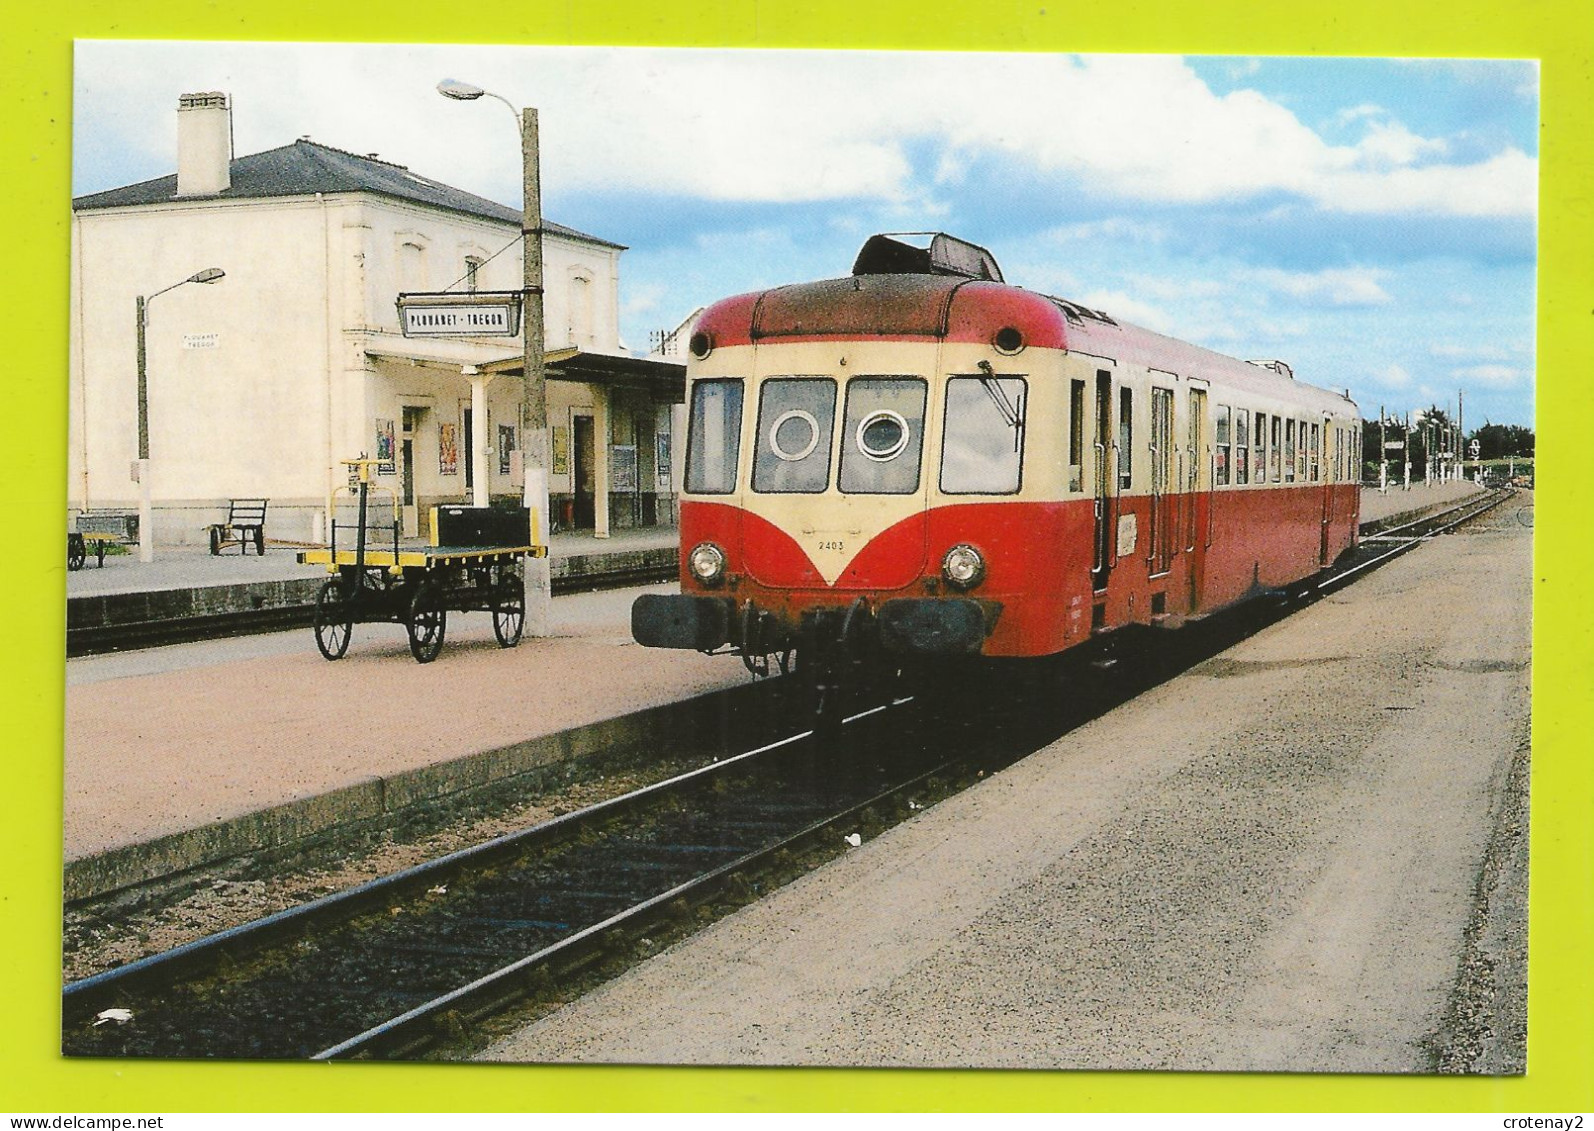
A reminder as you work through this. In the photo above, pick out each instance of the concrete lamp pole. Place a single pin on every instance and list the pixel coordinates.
(146, 529)
(534, 443)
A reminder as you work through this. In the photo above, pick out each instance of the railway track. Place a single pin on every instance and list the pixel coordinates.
(388, 967)
(400, 964)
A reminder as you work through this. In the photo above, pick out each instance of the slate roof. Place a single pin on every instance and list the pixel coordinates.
(306, 168)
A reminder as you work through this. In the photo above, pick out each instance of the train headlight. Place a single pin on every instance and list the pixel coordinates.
(707, 563)
(963, 567)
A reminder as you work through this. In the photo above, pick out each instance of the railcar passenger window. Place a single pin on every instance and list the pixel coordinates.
(1274, 449)
(1261, 447)
(1221, 465)
(1242, 444)
(795, 418)
(1076, 437)
(1126, 447)
(982, 446)
(882, 436)
(1317, 470)
(1289, 451)
(714, 437)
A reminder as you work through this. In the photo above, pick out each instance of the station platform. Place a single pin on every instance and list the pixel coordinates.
(194, 567)
(184, 583)
(182, 755)
(185, 755)
(1307, 854)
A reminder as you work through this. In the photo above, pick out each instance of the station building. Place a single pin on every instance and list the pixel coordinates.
(261, 382)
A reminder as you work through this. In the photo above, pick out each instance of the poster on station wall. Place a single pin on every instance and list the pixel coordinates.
(448, 448)
(559, 442)
(622, 467)
(384, 447)
(661, 460)
(506, 448)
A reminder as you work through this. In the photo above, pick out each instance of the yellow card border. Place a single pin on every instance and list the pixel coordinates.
(37, 55)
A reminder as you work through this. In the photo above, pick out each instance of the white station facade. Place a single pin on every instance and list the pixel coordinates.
(261, 382)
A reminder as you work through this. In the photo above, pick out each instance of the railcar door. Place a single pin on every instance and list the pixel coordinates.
(1102, 556)
(1198, 492)
(1164, 535)
(1324, 469)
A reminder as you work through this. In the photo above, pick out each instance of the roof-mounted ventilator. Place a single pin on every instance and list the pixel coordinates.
(925, 253)
(1077, 314)
(1282, 368)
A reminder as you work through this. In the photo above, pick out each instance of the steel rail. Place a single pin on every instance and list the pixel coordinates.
(401, 1031)
(1472, 507)
(262, 932)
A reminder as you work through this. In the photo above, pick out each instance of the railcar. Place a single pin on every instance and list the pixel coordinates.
(920, 461)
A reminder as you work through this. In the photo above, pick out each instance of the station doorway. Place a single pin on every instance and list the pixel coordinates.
(584, 474)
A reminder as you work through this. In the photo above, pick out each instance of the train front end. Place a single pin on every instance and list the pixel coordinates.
(855, 486)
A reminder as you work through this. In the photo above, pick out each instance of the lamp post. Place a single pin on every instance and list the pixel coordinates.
(534, 443)
(146, 529)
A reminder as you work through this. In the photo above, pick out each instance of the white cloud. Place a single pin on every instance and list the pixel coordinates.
(1476, 353)
(788, 126)
(1338, 286)
(1355, 113)
(1114, 229)
(1492, 376)
(1392, 377)
(1389, 145)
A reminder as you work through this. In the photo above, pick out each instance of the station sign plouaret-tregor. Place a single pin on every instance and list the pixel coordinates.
(475, 314)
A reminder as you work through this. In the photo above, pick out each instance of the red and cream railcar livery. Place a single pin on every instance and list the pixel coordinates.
(922, 461)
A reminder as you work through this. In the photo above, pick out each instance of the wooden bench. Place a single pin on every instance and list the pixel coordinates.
(95, 531)
(246, 522)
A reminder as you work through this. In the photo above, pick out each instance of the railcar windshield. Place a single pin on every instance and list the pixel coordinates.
(714, 437)
(882, 436)
(795, 419)
(982, 449)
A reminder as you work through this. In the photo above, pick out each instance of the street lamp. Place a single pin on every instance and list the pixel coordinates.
(535, 441)
(146, 529)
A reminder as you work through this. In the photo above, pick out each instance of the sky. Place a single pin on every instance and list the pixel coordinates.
(1370, 221)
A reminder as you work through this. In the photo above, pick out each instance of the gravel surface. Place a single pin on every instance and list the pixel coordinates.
(97, 939)
(1306, 854)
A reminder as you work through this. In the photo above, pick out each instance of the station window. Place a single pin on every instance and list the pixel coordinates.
(1126, 430)
(1242, 445)
(982, 443)
(1274, 449)
(1220, 468)
(1261, 448)
(714, 437)
(473, 266)
(882, 436)
(1076, 437)
(796, 416)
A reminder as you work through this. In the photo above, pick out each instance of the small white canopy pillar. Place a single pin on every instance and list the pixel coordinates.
(479, 445)
(601, 428)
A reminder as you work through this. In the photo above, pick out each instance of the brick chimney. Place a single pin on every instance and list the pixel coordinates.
(204, 144)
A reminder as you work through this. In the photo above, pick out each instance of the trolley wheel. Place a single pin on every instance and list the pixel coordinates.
(428, 622)
(334, 620)
(509, 609)
(76, 552)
